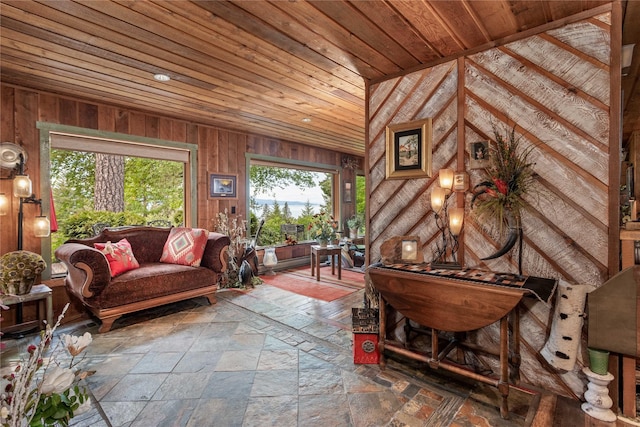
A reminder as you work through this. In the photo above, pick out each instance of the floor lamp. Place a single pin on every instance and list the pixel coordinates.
(22, 189)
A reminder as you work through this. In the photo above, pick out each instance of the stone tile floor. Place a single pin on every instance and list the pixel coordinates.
(246, 362)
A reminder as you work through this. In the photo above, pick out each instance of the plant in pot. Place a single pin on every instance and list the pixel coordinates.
(501, 198)
(354, 223)
(323, 228)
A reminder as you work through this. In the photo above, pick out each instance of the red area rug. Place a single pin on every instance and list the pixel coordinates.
(329, 288)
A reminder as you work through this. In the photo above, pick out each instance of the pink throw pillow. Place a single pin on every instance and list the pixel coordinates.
(119, 255)
(185, 246)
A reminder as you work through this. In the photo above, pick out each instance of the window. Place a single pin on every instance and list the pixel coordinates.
(141, 154)
(286, 196)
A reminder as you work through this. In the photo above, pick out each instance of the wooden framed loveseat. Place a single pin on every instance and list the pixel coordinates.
(161, 269)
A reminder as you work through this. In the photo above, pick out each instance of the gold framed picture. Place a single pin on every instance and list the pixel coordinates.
(409, 150)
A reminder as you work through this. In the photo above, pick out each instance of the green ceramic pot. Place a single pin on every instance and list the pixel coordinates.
(598, 361)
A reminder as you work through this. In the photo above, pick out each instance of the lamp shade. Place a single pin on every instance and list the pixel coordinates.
(4, 204)
(438, 194)
(21, 186)
(456, 218)
(446, 179)
(41, 226)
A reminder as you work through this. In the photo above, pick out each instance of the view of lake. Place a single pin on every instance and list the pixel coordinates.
(295, 197)
(296, 207)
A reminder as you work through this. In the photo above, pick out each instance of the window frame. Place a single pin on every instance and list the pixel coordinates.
(264, 160)
(46, 129)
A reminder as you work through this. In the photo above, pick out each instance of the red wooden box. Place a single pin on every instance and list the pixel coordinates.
(365, 349)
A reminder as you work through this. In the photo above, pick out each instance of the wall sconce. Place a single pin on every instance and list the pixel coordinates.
(446, 179)
(22, 188)
(449, 222)
(627, 58)
(41, 225)
(347, 192)
(22, 184)
(438, 197)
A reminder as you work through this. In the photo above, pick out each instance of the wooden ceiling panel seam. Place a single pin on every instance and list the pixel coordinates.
(127, 79)
(476, 19)
(564, 8)
(85, 59)
(547, 10)
(296, 50)
(288, 134)
(223, 102)
(115, 49)
(415, 30)
(306, 41)
(285, 69)
(270, 67)
(454, 32)
(222, 65)
(395, 26)
(528, 14)
(421, 18)
(334, 41)
(347, 15)
(497, 16)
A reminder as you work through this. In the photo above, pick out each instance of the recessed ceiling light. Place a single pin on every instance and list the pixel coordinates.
(306, 120)
(161, 77)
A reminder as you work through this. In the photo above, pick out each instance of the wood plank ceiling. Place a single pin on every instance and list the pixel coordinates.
(264, 67)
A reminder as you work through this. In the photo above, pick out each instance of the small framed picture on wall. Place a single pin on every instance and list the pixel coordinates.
(409, 150)
(479, 155)
(222, 186)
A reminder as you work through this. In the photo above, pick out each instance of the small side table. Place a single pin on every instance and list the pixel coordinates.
(334, 255)
(40, 293)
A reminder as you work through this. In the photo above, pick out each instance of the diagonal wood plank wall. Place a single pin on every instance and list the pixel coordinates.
(555, 88)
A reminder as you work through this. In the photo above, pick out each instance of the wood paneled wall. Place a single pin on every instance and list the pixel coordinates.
(555, 88)
(219, 150)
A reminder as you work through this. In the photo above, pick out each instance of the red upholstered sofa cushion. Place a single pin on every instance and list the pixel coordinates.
(185, 246)
(119, 255)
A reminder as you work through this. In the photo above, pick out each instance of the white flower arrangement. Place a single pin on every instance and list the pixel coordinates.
(38, 391)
